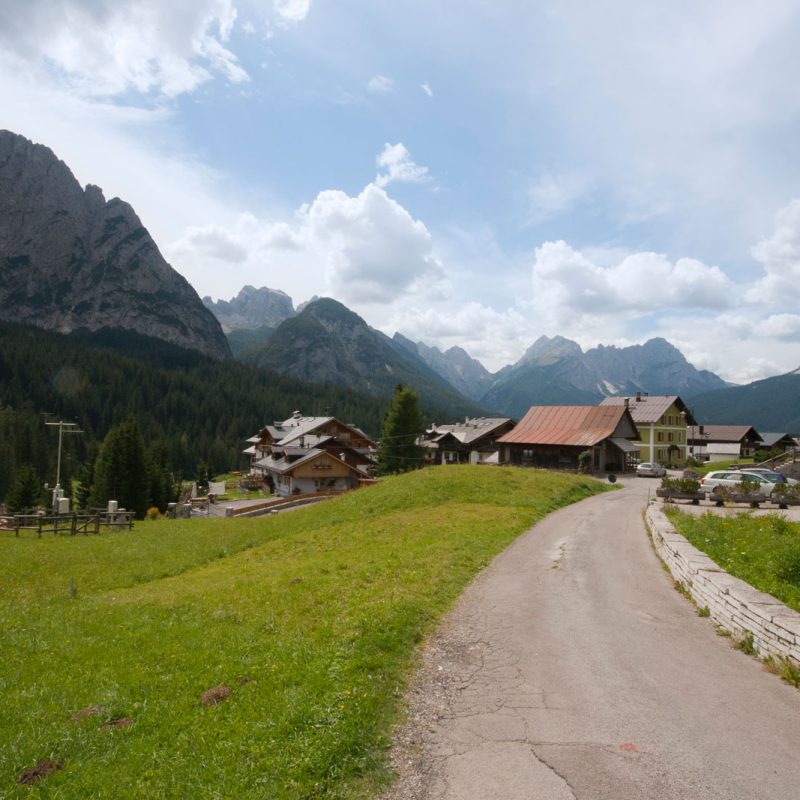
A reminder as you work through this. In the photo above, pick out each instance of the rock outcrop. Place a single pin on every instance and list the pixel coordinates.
(71, 260)
(252, 308)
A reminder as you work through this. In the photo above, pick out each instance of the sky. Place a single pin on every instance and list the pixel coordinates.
(477, 173)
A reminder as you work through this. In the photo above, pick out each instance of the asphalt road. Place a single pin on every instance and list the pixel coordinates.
(573, 669)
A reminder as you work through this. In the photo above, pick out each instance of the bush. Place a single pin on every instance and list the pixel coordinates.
(681, 485)
(786, 491)
(152, 513)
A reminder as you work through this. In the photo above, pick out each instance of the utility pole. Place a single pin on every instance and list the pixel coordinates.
(61, 425)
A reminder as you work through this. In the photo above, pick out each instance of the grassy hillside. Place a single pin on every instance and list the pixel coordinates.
(310, 619)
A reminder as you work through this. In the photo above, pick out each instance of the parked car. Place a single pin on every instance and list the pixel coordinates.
(650, 469)
(769, 474)
(730, 478)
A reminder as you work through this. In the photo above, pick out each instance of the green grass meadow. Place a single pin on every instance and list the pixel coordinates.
(764, 551)
(311, 618)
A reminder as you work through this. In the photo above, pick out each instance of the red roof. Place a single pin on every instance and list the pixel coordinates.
(577, 426)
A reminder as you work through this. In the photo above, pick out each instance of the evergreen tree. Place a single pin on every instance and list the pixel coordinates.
(120, 472)
(162, 488)
(27, 491)
(398, 450)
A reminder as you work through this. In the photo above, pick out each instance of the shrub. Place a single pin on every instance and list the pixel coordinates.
(681, 485)
(152, 513)
(786, 491)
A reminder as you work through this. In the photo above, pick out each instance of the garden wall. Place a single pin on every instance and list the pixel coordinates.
(733, 604)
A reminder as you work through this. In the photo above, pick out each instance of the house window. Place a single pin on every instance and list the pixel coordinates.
(660, 436)
(670, 437)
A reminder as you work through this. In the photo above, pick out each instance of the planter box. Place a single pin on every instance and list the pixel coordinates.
(672, 494)
(785, 502)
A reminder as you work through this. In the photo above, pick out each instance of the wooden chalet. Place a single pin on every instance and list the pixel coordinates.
(722, 442)
(553, 437)
(473, 441)
(288, 455)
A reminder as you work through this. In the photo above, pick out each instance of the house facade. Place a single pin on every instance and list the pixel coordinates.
(473, 441)
(289, 455)
(554, 437)
(662, 422)
(723, 442)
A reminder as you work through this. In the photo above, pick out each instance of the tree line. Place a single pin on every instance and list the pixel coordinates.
(191, 413)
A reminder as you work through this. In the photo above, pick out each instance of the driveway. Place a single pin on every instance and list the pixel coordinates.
(571, 668)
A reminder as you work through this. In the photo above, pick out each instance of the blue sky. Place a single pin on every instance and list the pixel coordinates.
(473, 173)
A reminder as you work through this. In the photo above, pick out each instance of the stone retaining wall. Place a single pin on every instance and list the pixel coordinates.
(733, 604)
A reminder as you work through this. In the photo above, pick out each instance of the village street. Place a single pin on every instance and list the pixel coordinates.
(573, 669)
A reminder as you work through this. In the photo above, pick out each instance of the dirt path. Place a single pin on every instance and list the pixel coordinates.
(572, 669)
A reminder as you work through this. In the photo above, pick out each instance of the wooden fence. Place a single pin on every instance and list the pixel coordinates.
(70, 524)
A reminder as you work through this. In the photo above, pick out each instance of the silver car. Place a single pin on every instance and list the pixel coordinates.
(769, 474)
(730, 478)
(650, 469)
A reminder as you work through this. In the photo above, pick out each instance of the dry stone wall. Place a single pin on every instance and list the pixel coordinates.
(733, 604)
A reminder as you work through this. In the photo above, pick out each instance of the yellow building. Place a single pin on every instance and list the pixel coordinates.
(662, 421)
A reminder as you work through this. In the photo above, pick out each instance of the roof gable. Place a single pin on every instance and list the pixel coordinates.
(575, 426)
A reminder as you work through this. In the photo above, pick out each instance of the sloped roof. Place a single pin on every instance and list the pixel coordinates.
(649, 408)
(470, 430)
(575, 426)
(721, 433)
(772, 438)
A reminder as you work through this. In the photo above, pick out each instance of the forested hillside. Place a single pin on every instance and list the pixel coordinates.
(201, 409)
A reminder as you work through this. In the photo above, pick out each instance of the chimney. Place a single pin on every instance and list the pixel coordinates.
(638, 397)
(627, 402)
(701, 429)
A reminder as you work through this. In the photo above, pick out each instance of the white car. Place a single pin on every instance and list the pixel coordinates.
(730, 478)
(650, 469)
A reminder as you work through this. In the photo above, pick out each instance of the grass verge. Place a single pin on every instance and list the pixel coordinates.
(763, 551)
(242, 658)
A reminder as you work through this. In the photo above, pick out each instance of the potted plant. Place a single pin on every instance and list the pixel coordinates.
(786, 494)
(746, 492)
(681, 489)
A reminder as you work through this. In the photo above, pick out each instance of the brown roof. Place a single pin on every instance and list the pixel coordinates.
(577, 426)
(721, 433)
(649, 408)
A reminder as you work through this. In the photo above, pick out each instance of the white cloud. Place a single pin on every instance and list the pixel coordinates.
(426, 87)
(398, 166)
(380, 84)
(785, 327)
(104, 48)
(779, 254)
(566, 283)
(365, 249)
(292, 10)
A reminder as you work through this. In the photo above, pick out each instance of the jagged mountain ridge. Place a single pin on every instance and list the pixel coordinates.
(556, 371)
(455, 365)
(327, 343)
(252, 308)
(71, 260)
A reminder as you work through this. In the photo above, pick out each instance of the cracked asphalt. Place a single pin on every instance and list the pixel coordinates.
(571, 668)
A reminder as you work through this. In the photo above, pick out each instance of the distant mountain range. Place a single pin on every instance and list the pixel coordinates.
(71, 260)
(327, 343)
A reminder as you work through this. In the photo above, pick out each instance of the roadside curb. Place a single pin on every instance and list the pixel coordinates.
(733, 605)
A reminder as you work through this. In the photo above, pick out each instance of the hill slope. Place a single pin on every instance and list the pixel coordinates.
(772, 404)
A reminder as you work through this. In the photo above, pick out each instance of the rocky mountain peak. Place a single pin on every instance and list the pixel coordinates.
(71, 260)
(252, 308)
(546, 350)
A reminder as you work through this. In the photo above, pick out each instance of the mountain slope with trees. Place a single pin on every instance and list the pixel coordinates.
(771, 404)
(329, 344)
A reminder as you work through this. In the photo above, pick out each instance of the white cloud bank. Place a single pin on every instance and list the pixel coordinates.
(365, 249)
